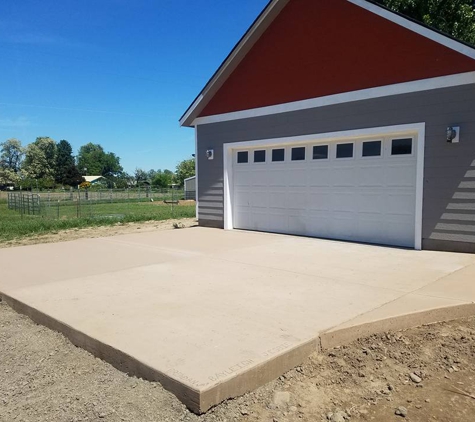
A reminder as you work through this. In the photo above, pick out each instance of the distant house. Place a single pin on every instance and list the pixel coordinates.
(190, 188)
(93, 180)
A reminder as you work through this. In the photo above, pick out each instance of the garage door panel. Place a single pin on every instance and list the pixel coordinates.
(343, 226)
(372, 233)
(278, 222)
(370, 176)
(400, 203)
(319, 201)
(343, 201)
(320, 177)
(368, 199)
(242, 199)
(278, 178)
(402, 175)
(368, 202)
(297, 225)
(296, 178)
(278, 199)
(343, 176)
(296, 200)
(259, 220)
(259, 199)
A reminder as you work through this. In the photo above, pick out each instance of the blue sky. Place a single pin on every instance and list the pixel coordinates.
(115, 72)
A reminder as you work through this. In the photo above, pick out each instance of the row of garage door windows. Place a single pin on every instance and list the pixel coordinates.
(320, 152)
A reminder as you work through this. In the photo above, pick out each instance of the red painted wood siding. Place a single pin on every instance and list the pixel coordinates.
(316, 48)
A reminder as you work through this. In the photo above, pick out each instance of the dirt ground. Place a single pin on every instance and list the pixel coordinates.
(92, 232)
(43, 377)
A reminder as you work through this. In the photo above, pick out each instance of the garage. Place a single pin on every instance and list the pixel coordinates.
(310, 127)
(355, 189)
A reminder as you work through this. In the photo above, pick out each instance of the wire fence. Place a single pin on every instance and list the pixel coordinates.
(115, 203)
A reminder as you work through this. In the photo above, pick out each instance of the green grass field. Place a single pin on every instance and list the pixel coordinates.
(13, 225)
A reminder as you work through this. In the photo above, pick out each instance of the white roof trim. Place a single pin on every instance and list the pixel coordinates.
(364, 94)
(374, 8)
(417, 28)
(190, 178)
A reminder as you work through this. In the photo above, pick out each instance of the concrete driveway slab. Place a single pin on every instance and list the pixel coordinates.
(212, 314)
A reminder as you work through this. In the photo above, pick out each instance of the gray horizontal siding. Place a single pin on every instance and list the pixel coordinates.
(449, 179)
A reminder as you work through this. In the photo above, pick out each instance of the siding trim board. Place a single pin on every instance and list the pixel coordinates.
(365, 94)
(417, 129)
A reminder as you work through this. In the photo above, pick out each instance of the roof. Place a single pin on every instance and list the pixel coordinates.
(267, 17)
(190, 178)
(92, 179)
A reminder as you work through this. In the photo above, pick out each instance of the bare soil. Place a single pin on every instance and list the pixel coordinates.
(93, 232)
(43, 377)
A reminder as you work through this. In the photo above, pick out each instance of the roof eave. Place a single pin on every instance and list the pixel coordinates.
(272, 9)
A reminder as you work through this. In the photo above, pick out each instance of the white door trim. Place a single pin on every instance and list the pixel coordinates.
(415, 128)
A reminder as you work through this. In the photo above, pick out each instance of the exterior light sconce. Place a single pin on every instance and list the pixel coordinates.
(210, 154)
(453, 134)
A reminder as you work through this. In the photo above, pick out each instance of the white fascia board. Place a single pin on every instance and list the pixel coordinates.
(417, 28)
(346, 97)
(190, 178)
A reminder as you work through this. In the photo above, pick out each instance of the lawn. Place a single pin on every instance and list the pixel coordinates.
(13, 225)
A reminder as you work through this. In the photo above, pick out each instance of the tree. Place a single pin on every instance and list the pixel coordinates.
(11, 155)
(163, 179)
(141, 176)
(95, 161)
(66, 171)
(184, 170)
(454, 17)
(8, 177)
(40, 159)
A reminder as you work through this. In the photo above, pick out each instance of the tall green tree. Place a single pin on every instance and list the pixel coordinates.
(66, 171)
(184, 170)
(93, 160)
(40, 159)
(163, 179)
(11, 155)
(454, 17)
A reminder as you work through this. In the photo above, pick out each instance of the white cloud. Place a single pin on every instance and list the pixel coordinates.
(20, 121)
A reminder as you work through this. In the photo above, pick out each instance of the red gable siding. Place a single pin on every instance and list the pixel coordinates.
(316, 48)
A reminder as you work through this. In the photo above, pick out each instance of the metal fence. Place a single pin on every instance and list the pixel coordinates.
(190, 195)
(24, 203)
(92, 203)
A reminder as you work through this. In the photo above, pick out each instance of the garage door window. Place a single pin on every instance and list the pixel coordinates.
(320, 152)
(344, 151)
(298, 154)
(278, 154)
(401, 146)
(260, 156)
(242, 157)
(372, 149)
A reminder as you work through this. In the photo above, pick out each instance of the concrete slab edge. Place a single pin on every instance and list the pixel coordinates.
(258, 375)
(197, 401)
(115, 357)
(338, 337)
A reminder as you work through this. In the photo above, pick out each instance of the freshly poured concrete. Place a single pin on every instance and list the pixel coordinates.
(212, 314)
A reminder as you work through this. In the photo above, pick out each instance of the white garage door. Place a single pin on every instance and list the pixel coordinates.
(358, 190)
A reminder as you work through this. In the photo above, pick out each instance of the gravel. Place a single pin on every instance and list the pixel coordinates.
(43, 377)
